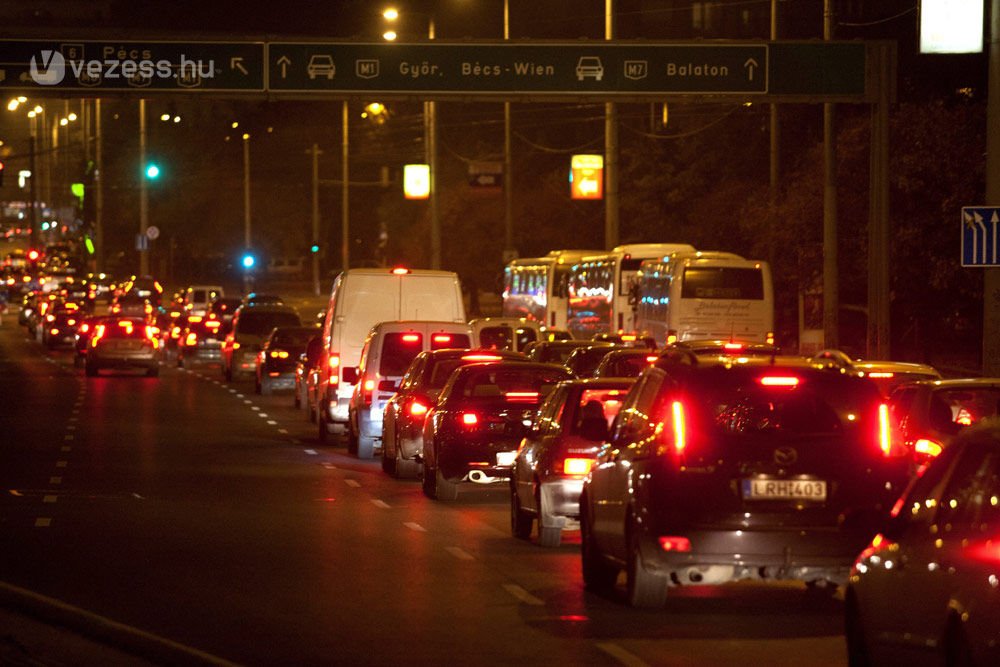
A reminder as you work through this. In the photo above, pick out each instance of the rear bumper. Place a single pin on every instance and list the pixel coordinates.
(561, 498)
(457, 458)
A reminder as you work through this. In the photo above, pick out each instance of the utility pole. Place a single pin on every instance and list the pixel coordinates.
(143, 194)
(610, 148)
(991, 278)
(831, 297)
(345, 209)
(775, 154)
(508, 163)
(315, 216)
(98, 187)
(430, 118)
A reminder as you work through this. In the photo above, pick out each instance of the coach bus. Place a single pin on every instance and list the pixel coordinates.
(535, 287)
(603, 287)
(706, 295)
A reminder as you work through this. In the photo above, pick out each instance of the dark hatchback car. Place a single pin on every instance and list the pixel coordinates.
(200, 341)
(403, 418)
(925, 591)
(554, 351)
(475, 428)
(716, 473)
(583, 361)
(276, 361)
(625, 363)
(930, 414)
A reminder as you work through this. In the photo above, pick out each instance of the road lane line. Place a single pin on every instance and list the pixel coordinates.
(49, 499)
(247, 401)
(271, 422)
(523, 595)
(66, 449)
(352, 483)
(62, 464)
(239, 395)
(283, 431)
(137, 496)
(626, 658)
(380, 503)
(68, 437)
(254, 408)
(311, 452)
(15, 492)
(460, 554)
(55, 480)
(412, 525)
(43, 523)
(329, 466)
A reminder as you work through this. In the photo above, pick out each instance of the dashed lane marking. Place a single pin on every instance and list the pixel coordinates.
(380, 503)
(328, 466)
(626, 658)
(239, 395)
(283, 431)
(262, 415)
(62, 464)
(271, 422)
(353, 483)
(55, 480)
(68, 437)
(255, 407)
(460, 554)
(43, 523)
(67, 448)
(71, 427)
(412, 525)
(311, 452)
(523, 595)
(49, 499)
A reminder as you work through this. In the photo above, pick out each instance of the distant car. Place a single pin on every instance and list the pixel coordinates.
(305, 371)
(583, 361)
(200, 341)
(931, 413)
(60, 325)
(251, 326)
(722, 472)
(122, 343)
(197, 298)
(627, 339)
(132, 305)
(504, 333)
(732, 348)
(924, 591)
(259, 299)
(554, 352)
(224, 308)
(276, 361)
(886, 374)
(625, 363)
(557, 454)
(473, 431)
(404, 414)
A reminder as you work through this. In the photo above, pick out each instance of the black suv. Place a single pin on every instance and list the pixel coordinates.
(720, 472)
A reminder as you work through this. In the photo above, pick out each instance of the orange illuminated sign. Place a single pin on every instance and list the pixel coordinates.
(586, 178)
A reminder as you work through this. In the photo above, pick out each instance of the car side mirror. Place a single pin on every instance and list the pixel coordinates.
(349, 374)
(387, 385)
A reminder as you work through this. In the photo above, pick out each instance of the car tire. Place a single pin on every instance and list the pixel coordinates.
(91, 370)
(180, 361)
(365, 447)
(520, 521)
(858, 653)
(548, 536)
(646, 590)
(312, 413)
(427, 482)
(297, 401)
(388, 462)
(324, 430)
(352, 440)
(599, 575)
(443, 488)
(406, 468)
(228, 373)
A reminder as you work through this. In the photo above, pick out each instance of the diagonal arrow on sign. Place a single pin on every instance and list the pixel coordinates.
(995, 219)
(979, 221)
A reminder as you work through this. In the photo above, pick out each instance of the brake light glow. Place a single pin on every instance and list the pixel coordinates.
(527, 396)
(680, 427)
(418, 409)
(769, 339)
(126, 325)
(577, 466)
(964, 417)
(779, 381)
(213, 324)
(194, 319)
(369, 385)
(333, 363)
(442, 338)
(400, 271)
(368, 389)
(192, 339)
(628, 338)
(411, 338)
(98, 335)
(84, 328)
(880, 375)
(470, 418)
(175, 332)
(481, 357)
(236, 346)
(279, 354)
(54, 331)
(733, 347)
(651, 358)
(71, 322)
(884, 430)
(927, 447)
(675, 543)
(50, 318)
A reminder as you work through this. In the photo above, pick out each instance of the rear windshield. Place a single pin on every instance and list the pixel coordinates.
(124, 329)
(398, 350)
(496, 338)
(717, 282)
(439, 370)
(527, 385)
(293, 338)
(953, 409)
(260, 323)
(626, 365)
(603, 403)
(447, 341)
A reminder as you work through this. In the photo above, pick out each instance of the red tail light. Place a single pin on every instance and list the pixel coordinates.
(680, 426)
(84, 328)
(442, 338)
(675, 543)
(884, 430)
(628, 338)
(880, 375)
(481, 357)
(779, 381)
(733, 347)
(927, 447)
(418, 409)
(521, 396)
(192, 339)
(368, 391)
(411, 338)
(98, 335)
(651, 358)
(469, 419)
(333, 363)
(400, 271)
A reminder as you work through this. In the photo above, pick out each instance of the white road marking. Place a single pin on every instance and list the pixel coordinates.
(55, 480)
(522, 595)
(271, 422)
(137, 496)
(329, 466)
(62, 464)
(255, 408)
(49, 499)
(247, 401)
(311, 452)
(239, 395)
(283, 431)
(380, 503)
(460, 554)
(71, 427)
(67, 448)
(68, 437)
(232, 391)
(412, 525)
(43, 523)
(626, 658)
(353, 483)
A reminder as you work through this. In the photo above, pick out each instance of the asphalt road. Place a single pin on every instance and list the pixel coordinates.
(193, 512)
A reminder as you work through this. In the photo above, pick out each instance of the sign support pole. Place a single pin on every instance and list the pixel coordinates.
(878, 214)
(991, 277)
(610, 148)
(143, 194)
(831, 295)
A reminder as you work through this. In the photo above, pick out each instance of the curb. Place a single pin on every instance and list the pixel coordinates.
(142, 644)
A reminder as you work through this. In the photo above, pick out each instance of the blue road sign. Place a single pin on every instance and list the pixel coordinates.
(979, 235)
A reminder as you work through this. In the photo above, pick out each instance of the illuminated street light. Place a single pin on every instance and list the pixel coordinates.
(390, 14)
(235, 125)
(177, 119)
(63, 122)
(72, 117)
(389, 35)
(164, 117)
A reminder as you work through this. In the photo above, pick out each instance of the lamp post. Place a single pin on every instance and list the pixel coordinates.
(143, 194)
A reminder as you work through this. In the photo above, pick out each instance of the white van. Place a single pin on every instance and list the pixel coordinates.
(360, 299)
(198, 297)
(388, 351)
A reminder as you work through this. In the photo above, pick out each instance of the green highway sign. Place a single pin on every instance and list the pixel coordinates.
(63, 65)
(579, 68)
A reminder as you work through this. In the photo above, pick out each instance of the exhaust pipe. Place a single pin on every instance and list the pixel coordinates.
(480, 477)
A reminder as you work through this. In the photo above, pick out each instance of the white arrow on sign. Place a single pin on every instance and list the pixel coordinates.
(969, 223)
(284, 61)
(588, 186)
(979, 221)
(750, 66)
(995, 219)
(236, 62)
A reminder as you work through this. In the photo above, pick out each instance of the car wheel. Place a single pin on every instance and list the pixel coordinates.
(406, 468)
(228, 372)
(429, 488)
(388, 462)
(443, 488)
(548, 536)
(91, 370)
(598, 574)
(956, 645)
(857, 646)
(297, 401)
(324, 431)
(352, 439)
(520, 521)
(312, 413)
(646, 589)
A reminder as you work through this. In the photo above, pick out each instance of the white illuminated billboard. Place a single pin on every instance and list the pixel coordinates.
(951, 26)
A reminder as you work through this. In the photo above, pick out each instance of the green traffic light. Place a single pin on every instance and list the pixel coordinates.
(314, 248)
(152, 171)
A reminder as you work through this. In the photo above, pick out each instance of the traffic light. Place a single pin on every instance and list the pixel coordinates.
(1, 174)
(33, 255)
(314, 248)
(152, 171)
(248, 261)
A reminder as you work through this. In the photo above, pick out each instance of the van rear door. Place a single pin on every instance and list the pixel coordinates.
(435, 297)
